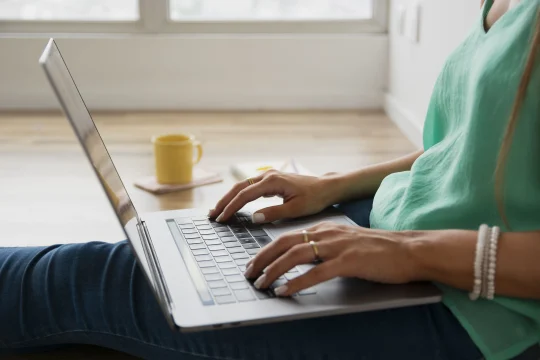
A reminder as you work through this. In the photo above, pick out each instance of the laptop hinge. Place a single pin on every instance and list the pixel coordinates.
(161, 290)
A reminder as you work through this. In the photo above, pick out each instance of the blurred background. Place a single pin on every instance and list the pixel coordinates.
(334, 84)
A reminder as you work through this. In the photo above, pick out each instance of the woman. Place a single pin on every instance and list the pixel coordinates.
(479, 166)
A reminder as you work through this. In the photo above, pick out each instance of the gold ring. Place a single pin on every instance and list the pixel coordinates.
(250, 181)
(315, 250)
(306, 236)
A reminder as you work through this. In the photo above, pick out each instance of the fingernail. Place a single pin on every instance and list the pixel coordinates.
(257, 218)
(248, 264)
(260, 281)
(211, 211)
(281, 290)
(249, 271)
(219, 218)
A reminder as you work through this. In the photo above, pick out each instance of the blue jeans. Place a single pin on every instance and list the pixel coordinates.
(95, 293)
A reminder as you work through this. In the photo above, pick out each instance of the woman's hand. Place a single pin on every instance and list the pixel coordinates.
(345, 251)
(302, 196)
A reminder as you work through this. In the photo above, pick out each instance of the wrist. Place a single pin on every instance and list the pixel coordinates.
(333, 188)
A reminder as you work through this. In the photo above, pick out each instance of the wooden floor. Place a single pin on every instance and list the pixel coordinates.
(48, 193)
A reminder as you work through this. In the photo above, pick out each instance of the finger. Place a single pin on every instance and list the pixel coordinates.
(297, 255)
(274, 213)
(246, 195)
(226, 199)
(323, 272)
(271, 252)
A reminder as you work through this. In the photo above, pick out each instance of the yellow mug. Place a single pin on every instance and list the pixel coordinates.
(174, 158)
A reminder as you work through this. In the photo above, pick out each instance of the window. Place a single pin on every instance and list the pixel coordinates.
(192, 16)
(69, 10)
(270, 9)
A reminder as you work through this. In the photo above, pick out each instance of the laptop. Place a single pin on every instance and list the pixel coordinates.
(195, 265)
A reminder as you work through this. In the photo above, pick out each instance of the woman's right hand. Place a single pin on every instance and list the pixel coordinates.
(302, 196)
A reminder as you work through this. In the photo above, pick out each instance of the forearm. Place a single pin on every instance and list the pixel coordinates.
(366, 181)
(447, 256)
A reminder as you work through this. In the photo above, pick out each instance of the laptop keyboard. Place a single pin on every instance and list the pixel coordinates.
(220, 252)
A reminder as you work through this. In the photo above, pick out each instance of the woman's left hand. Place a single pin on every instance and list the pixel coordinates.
(344, 251)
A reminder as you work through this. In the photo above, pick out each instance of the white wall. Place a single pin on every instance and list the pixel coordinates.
(249, 72)
(414, 66)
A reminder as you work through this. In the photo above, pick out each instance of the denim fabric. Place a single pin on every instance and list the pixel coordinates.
(95, 293)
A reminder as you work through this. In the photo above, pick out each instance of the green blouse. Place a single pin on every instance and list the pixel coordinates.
(451, 185)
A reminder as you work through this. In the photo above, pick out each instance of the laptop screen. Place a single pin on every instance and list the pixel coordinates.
(85, 129)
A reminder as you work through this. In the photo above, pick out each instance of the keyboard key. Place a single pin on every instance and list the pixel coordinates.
(245, 235)
(207, 232)
(203, 257)
(204, 264)
(194, 241)
(210, 237)
(250, 246)
(210, 270)
(221, 291)
(217, 284)
(204, 227)
(244, 295)
(226, 265)
(239, 231)
(228, 239)
(308, 291)
(235, 278)
(191, 236)
(200, 252)
(227, 299)
(197, 246)
(224, 233)
(220, 253)
(239, 285)
(189, 231)
(263, 240)
(241, 262)
(221, 259)
(258, 233)
(213, 277)
(183, 221)
(201, 222)
(230, 271)
(216, 247)
(232, 244)
(187, 226)
(221, 227)
(236, 250)
(292, 276)
(242, 255)
(247, 241)
(253, 251)
(212, 242)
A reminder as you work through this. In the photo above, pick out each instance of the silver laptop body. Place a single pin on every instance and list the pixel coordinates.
(195, 266)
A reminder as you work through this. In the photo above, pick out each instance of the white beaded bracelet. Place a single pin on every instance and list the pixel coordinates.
(485, 263)
(492, 265)
(478, 262)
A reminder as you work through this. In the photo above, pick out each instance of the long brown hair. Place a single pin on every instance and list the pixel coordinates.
(512, 123)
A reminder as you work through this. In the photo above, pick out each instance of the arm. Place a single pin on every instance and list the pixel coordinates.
(447, 256)
(366, 181)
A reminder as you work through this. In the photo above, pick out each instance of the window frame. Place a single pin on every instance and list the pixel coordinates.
(154, 19)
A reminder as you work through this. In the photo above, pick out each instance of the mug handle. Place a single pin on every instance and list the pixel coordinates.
(198, 145)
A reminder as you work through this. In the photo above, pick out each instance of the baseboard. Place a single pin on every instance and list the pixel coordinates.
(404, 119)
